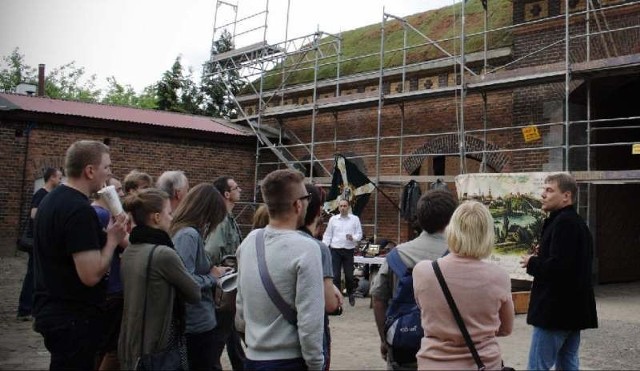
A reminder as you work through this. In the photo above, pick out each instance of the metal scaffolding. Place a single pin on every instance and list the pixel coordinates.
(592, 45)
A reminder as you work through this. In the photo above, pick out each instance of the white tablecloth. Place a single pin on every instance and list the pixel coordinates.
(365, 260)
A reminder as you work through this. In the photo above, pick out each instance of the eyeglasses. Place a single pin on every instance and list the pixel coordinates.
(233, 188)
(305, 197)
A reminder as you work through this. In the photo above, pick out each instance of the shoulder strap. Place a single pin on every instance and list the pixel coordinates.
(396, 264)
(146, 294)
(456, 314)
(287, 312)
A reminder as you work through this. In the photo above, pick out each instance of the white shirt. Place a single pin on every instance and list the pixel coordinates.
(335, 236)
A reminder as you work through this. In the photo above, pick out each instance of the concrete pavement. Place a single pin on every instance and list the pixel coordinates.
(615, 345)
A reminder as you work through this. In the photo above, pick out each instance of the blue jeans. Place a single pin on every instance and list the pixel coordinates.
(554, 347)
(26, 294)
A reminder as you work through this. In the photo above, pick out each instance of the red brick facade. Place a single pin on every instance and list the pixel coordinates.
(202, 157)
(429, 126)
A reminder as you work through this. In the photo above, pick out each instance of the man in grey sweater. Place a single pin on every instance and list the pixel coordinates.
(294, 265)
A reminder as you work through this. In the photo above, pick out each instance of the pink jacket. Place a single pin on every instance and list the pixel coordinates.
(482, 292)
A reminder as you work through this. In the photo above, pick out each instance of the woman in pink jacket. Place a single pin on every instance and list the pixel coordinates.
(481, 290)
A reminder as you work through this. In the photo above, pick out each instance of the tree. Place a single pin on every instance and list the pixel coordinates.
(168, 88)
(191, 96)
(124, 95)
(217, 97)
(178, 92)
(120, 95)
(14, 70)
(65, 82)
(148, 98)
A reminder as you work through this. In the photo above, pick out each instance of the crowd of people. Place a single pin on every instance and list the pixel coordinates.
(141, 288)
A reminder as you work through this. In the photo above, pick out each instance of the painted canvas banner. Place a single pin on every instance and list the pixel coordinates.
(514, 202)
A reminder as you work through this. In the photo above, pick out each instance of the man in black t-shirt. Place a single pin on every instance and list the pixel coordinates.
(52, 178)
(71, 256)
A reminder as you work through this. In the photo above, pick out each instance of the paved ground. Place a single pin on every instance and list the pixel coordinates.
(615, 345)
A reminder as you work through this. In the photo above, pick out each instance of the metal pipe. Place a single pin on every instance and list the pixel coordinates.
(486, 21)
(567, 79)
(587, 22)
(588, 124)
(404, 54)
(380, 105)
(339, 56)
(462, 143)
(484, 132)
(400, 153)
(284, 60)
(266, 20)
(314, 111)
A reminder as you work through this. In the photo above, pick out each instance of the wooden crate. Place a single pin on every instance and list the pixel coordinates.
(520, 301)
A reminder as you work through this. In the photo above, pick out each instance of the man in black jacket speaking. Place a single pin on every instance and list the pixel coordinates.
(562, 300)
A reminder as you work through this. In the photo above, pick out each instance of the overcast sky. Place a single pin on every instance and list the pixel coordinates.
(137, 40)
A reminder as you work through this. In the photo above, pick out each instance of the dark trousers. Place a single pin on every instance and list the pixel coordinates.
(294, 364)
(26, 294)
(343, 259)
(199, 351)
(73, 344)
(226, 334)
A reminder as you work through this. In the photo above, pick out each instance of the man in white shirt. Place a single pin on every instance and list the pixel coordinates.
(342, 235)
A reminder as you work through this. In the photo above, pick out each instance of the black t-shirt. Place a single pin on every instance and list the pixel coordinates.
(65, 224)
(35, 203)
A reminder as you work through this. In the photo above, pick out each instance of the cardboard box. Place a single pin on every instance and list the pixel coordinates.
(520, 301)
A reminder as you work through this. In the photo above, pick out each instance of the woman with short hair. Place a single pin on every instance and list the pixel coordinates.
(481, 291)
(164, 290)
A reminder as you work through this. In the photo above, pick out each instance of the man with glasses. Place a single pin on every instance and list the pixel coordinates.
(224, 241)
(275, 340)
(343, 233)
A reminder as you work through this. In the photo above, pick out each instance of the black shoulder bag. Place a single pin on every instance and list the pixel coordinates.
(166, 359)
(458, 318)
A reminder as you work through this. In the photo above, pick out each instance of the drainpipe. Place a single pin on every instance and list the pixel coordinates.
(27, 132)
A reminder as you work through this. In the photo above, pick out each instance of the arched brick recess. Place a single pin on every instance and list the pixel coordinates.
(39, 165)
(449, 144)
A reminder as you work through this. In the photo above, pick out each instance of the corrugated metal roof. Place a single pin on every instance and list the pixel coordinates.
(9, 102)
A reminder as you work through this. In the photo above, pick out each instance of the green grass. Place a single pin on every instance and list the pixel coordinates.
(437, 24)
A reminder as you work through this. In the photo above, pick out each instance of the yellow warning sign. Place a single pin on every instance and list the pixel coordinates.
(635, 149)
(530, 133)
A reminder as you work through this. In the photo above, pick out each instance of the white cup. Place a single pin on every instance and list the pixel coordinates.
(111, 198)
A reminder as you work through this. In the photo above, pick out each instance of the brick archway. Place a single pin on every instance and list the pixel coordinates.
(449, 144)
(41, 164)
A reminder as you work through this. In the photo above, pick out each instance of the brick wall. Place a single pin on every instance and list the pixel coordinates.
(12, 150)
(608, 26)
(429, 128)
(201, 159)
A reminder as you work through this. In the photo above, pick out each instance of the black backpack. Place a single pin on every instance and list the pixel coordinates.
(402, 325)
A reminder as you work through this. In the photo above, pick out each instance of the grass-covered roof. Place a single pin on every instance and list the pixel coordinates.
(361, 46)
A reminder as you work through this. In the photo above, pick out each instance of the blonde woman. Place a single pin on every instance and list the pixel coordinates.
(481, 290)
(261, 217)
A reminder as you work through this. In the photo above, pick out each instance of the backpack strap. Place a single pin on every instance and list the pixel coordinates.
(396, 264)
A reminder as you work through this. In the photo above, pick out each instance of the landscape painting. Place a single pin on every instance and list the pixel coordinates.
(514, 202)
